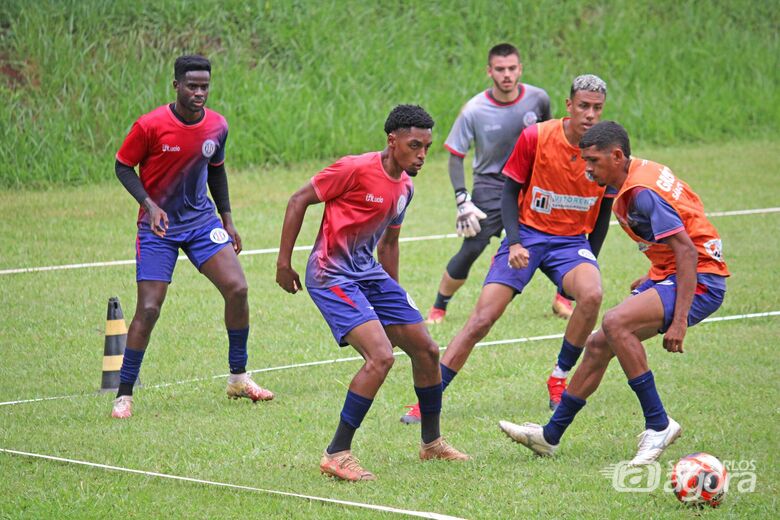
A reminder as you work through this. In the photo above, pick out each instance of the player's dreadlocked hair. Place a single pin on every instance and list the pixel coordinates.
(588, 83)
(189, 62)
(605, 134)
(408, 116)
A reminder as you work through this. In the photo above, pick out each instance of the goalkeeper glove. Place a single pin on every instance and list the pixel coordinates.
(469, 215)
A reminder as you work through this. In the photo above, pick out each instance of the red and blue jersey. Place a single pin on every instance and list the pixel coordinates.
(174, 158)
(361, 202)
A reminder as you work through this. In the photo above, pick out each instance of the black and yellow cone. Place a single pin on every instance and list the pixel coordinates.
(114, 349)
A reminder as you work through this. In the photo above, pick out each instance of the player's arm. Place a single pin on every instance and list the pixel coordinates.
(218, 186)
(158, 219)
(601, 228)
(517, 170)
(299, 202)
(518, 255)
(685, 257)
(388, 251)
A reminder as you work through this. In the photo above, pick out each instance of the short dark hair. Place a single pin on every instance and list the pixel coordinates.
(408, 116)
(605, 134)
(503, 49)
(189, 62)
(588, 83)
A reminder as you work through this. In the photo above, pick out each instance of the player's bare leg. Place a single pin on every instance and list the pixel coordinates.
(151, 295)
(583, 283)
(493, 301)
(225, 272)
(416, 341)
(623, 329)
(371, 342)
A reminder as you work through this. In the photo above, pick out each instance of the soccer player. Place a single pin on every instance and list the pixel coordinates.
(492, 120)
(365, 198)
(548, 206)
(685, 284)
(181, 148)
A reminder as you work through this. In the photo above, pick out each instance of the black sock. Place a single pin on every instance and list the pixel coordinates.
(429, 427)
(342, 440)
(442, 301)
(125, 389)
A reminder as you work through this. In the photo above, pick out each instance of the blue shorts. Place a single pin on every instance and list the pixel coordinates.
(554, 255)
(155, 257)
(710, 290)
(348, 305)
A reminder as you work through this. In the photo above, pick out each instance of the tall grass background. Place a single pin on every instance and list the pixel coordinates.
(306, 79)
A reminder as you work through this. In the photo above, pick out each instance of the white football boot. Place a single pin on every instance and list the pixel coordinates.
(529, 435)
(652, 443)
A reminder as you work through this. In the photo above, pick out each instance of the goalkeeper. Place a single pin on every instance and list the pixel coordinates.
(492, 120)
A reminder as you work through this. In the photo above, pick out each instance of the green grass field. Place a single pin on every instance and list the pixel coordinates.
(303, 79)
(721, 390)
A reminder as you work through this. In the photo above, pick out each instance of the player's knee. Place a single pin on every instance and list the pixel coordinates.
(480, 324)
(429, 353)
(590, 299)
(597, 347)
(237, 290)
(612, 324)
(379, 365)
(148, 314)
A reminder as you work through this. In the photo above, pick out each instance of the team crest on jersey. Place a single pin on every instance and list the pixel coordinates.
(584, 253)
(401, 205)
(530, 118)
(219, 236)
(208, 148)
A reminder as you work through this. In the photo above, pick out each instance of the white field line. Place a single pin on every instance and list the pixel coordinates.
(358, 358)
(274, 250)
(387, 509)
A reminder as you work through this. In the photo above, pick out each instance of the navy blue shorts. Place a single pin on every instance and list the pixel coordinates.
(155, 257)
(555, 256)
(706, 300)
(348, 305)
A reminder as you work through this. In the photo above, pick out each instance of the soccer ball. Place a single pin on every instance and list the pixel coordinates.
(699, 479)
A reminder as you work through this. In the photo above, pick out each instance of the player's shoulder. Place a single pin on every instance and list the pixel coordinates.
(154, 117)
(477, 102)
(534, 91)
(215, 116)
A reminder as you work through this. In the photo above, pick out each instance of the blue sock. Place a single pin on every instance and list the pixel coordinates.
(355, 409)
(655, 415)
(568, 356)
(430, 410)
(131, 365)
(237, 355)
(447, 375)
(562, 418)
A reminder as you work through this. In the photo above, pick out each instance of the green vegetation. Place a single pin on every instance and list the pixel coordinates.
(51, 342)
(310, 79)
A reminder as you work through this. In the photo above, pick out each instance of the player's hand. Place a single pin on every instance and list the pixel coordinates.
(158, 218)
(230, 228)
(673, 339)
(469, 215)
(518, 256)
(639, 281)
(288, 279)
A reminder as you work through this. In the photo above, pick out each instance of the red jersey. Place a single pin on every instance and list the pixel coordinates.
(557, 197)
(361, 202)
(174, 158)
(649, 175)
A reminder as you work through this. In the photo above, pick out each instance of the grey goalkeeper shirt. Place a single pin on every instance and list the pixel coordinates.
(494, 127)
